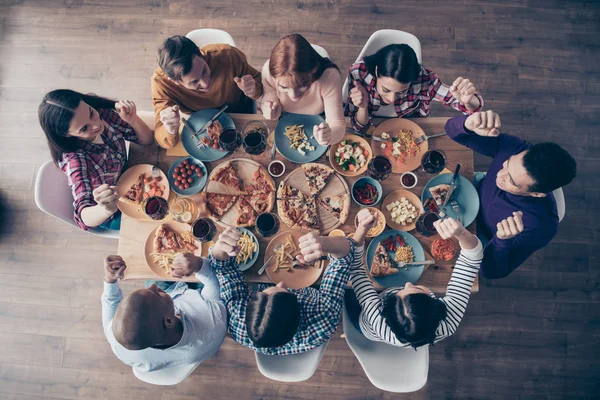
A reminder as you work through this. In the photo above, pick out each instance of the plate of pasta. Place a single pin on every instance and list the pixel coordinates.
(248, 254)
(165, 242)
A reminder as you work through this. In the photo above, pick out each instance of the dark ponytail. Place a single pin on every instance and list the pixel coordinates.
(415, 318)
(396, 61)
(55, 113)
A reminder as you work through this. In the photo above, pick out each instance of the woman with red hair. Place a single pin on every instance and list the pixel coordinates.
(297, 79)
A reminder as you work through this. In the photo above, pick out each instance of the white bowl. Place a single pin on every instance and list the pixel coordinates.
(413, 175)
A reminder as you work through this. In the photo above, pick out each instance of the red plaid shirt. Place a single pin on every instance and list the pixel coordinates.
(87, 167)
(415, 103)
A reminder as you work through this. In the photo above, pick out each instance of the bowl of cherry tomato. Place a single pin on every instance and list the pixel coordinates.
(187, 176)
(366, 191)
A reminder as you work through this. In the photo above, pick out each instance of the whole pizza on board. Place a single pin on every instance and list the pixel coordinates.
(238, 191)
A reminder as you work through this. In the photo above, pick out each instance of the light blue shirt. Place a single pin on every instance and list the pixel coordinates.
(204, 319)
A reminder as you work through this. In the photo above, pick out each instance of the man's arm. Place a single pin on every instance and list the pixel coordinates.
(111, 297)
(242, 68)
(487, 145)
(206, 275)
(503, 256)
(160, 101)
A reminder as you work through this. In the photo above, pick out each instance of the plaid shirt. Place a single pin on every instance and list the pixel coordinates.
(320, 309)
(86, 167)
(415, 103)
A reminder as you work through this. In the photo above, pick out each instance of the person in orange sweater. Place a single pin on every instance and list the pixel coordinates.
(189, 79)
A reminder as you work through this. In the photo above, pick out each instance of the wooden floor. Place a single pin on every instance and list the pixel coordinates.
(535, 334)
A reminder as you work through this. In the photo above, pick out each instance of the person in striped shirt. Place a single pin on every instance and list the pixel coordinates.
(412, 315)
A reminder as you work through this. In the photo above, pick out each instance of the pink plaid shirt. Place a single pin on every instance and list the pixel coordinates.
(95, 164)
(415, 103)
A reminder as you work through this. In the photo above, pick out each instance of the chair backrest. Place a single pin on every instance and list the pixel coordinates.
(166, 376)
(53, 196)
(202, 37)
(561, 205)
(381, 39)
(322, 52)
(291, 368)
(389, 368)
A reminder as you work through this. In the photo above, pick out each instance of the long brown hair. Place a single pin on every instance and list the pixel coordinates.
(55, 113)
(295, 59)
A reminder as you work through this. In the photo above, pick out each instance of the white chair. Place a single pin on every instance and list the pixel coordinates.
(166, 376)
(290, 368)
(53, 196)
(202, 37)
(378, 40)
(390, 368)
(561, 206)
(322, 52)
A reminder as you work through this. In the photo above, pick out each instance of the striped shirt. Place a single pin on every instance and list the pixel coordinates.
(320, 309)
(373, 324)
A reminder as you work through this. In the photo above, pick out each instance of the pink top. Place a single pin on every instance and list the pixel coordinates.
(323, 95)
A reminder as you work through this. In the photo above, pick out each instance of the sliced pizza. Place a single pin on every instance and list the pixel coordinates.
(246, 214)
(338, 206)
(382, 265)
(166, 239)
(136, 192)
(286, 191)
(317, 176)
(261, 202)
(309, 219)
(228, 176)
(262, 182)
(439, 193)
(219, 204)
(291, 210)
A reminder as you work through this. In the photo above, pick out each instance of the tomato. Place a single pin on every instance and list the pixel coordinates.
(186, 161)
(190, 180)
(175, 175)
(187, 185)
(177, 182)
(158, 193)
(184, 174)
(176, 170)
(216, 146)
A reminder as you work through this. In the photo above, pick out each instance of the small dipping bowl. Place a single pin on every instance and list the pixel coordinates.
(275, 164)
(408, 180)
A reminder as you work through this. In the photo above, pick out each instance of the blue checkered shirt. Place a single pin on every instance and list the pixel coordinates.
(320, 309)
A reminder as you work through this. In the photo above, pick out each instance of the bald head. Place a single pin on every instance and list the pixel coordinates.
(143, 319)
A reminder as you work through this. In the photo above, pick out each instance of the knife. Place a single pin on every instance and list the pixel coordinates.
(452, 185)
(189, 128)
(401, 264)
(213, 119)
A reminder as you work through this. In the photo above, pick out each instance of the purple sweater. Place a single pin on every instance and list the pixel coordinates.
(540, 216)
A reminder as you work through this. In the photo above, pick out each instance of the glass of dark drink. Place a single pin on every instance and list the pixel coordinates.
(433, 161)
(380, 167)
(425, 222)
(255, 136)
(267, 224)
(156, 208)
(230, 140)
(204, 229)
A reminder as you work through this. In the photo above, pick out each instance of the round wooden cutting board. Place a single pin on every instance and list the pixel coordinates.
(335, 186)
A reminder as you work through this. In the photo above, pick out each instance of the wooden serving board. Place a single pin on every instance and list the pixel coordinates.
(335, 186)
(245, 169)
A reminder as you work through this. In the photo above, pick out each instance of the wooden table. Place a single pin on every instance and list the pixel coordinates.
(134, 232)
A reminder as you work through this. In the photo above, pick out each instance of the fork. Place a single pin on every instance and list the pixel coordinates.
(262, 269)
(423, 138)
(456, 209)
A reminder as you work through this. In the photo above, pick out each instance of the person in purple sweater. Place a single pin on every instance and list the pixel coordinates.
(518, 212)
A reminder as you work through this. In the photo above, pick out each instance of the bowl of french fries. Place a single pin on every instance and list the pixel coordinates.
(284, 266)
(248, 245)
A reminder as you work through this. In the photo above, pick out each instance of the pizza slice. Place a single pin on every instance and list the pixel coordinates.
(291, 210)
(439, 193)
(317, 176)
(166, 239)
(262, 182)
(309, 219)
(338, 206)
(261, 202)
(136, 192)
(286, 191)
(381, 265)
(246, 214)
(219, 204)
(228, 176)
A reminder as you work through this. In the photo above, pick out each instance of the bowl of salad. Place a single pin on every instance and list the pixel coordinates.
(366, 191)
(351, 156)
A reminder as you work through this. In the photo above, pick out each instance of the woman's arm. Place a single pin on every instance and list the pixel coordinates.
(128, 112)
(334, 113)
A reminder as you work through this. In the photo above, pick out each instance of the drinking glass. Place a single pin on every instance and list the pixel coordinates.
(156, 208)
(230, 139)
(433, 161)
(255, 135)
(379, 168)
(267, 224)
(425, 222)
(204, 229)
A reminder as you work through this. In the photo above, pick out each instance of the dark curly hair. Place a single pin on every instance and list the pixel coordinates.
(550, 166)
(272, 319)
(415, 318)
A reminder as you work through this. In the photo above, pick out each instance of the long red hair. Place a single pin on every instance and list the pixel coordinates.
(295, 60)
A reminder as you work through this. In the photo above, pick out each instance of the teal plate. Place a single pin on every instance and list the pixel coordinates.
(283, 143)
(465, 195)
(413, 273)
(251, 261)
(195, 187)
(197, 121)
